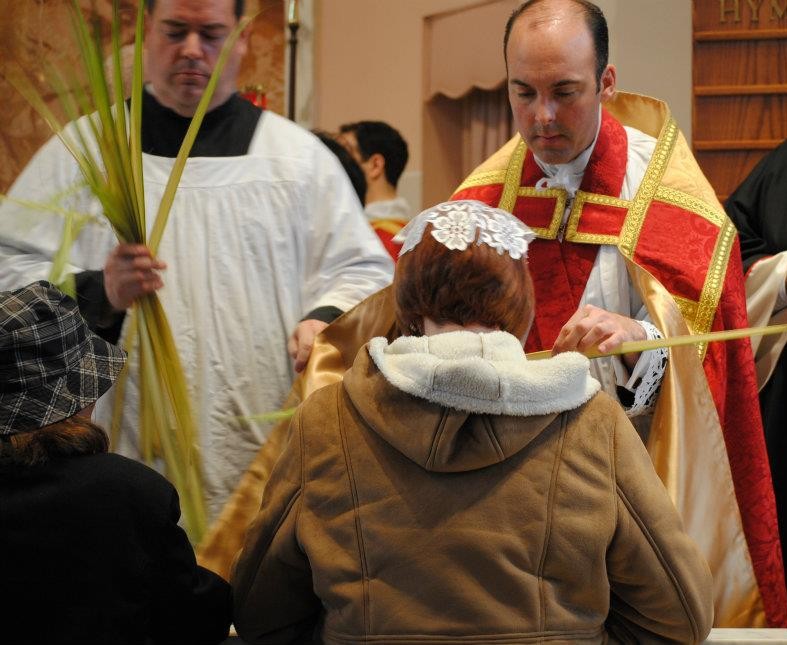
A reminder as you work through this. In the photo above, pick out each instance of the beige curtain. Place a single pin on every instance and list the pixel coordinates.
(486, 125)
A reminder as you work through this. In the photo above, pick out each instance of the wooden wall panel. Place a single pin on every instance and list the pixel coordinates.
(730, 118)
(33, 31)
(742, 62)
(727, 168)
(740, 86)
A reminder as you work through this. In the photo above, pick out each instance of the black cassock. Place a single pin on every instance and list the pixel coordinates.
(758, 208)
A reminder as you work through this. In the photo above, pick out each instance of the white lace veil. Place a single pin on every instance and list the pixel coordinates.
(458, 224)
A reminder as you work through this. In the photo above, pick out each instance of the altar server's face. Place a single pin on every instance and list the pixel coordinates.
(552, 82)
(183, 39)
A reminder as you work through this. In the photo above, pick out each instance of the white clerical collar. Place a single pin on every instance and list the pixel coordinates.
(568, 175)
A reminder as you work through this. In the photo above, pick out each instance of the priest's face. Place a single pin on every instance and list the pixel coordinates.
(183, 39)
(552, 84)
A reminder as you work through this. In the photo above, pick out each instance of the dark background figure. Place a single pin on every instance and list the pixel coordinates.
(758, 208)
(351, 167)
(90, 547)
(386, 226)
(381, 152)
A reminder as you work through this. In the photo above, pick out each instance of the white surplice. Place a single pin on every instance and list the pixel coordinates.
(253, 243)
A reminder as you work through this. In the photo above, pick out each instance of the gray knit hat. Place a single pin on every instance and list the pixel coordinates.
(51, 365)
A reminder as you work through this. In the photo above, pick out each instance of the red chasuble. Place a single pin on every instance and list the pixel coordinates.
(560, 270)
(676, 232)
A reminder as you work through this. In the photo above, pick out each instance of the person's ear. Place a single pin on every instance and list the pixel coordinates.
(242, 44)
(608, 83)
(243, 39)
(375, 165)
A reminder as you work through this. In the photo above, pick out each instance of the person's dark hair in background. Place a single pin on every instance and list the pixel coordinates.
(597, 25)
(377, 137)
(349, 164)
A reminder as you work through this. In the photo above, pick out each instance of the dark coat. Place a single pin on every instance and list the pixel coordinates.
(90, 552)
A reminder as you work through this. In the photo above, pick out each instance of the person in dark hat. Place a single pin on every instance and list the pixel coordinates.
(90, 548)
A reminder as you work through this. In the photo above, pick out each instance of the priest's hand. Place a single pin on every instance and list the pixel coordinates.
(300, 344)
(592, 326)
(131, 271)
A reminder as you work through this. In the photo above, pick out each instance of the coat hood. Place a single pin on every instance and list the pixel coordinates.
(462, 400)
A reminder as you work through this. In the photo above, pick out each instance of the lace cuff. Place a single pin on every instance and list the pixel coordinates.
(646, 377)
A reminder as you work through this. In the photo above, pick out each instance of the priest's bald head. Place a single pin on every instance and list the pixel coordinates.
(183, 39)
(592, 14)
(556, 55)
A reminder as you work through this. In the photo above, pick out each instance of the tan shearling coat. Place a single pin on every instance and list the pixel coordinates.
(390, 518)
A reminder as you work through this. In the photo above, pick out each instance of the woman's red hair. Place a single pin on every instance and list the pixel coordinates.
(474, 286)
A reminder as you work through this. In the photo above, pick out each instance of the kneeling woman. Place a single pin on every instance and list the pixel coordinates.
(450, 490)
